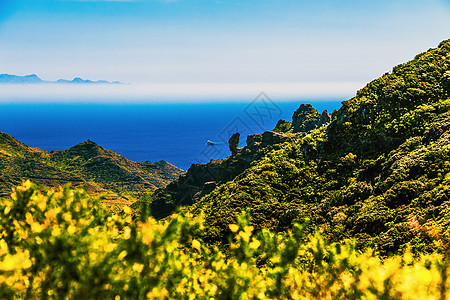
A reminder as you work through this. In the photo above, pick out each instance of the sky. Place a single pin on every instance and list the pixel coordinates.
(214, 48)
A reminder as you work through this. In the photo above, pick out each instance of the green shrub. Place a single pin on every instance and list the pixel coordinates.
(64, 245)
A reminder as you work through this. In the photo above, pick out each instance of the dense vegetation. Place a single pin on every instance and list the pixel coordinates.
(87, 164)
(62, 244)
(379, 172)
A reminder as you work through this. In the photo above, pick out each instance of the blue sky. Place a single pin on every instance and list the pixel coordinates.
(218, 42)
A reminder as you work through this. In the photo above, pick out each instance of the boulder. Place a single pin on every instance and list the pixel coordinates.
(340, 114)
(307, 118)
(282, 126)
(265, 139)
(325, 118)
(272, 138)
(254, 141)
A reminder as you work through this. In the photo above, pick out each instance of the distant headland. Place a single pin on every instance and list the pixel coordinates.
(34, 79)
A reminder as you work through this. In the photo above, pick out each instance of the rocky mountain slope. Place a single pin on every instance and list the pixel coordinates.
(379, 172)
(201, 179)
(86, 164)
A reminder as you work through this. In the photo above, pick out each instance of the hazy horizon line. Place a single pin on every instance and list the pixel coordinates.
(174, 92)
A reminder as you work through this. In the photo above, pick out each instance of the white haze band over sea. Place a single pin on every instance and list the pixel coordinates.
(173, 92)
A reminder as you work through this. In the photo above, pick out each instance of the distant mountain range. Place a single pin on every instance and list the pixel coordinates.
(34, 79)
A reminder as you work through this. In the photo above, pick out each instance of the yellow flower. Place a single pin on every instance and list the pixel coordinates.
(42, 202)
(122, 255)
(127, 233)
(233, 227)
(138, 267)
(50, 214)
(196, 245)
(255, 244)
(71, 229)
(248, 229)
(214, 289)
(26, 264)
(8, 263)
(245, 235)
(29, 218)
(11, 262)
(408, 257)
(7, 210)
(25, 186)
(56, 232)
(67, 217)
(36, 227)
(109, 248)
(127, 210)
(3, 245)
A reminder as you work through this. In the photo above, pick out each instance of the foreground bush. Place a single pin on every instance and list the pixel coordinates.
(65, 245)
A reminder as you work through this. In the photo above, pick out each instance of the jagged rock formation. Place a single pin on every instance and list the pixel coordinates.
(307, 118)
(283, 126)
(188, 187)
(199, 179)
(233, 143)
(265, 139)
(304, 120)
(202, 179)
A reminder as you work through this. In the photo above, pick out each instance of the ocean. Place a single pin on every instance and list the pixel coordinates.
(177, 133)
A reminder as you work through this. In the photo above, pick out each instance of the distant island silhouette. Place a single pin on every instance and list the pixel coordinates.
(34, 79)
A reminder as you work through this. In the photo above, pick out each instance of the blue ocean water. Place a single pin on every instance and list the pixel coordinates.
(176, 133)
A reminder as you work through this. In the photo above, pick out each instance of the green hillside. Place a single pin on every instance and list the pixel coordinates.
(379, 172)
(355, 205)
(87, 164)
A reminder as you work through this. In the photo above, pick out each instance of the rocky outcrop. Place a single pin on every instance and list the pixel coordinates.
(233, 143)
(282, 126)
(307, 118)
(254, 141)
(202, 179)
(340, 114)
(265, 139)
(199, 180)
(325, 118)
(273, 138)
